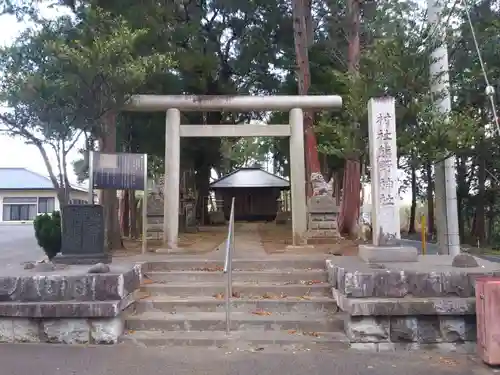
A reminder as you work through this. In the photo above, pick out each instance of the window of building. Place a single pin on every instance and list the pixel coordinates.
(46, 205)
(77, 201)
(19, 208)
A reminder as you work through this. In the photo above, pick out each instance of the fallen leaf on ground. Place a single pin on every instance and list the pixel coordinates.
(311, 282)
(147, 281)
(269, 296)
(314, 334)
(210, 269)
(257, 349)
(305, 297)
(448, 361)
(236, 294)
(292, 331)
(261, 313)
(219, 296)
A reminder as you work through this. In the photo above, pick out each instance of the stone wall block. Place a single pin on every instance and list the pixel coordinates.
(367, 329)
(332, 274)
(106, 331)
(427, 284)
(26, 330)
(66, 331)
(428, 329)
(458, 328)
(390, 284)
(422, 329)
(6, 330)
(358, 284)
(404, 329)
(457, 284)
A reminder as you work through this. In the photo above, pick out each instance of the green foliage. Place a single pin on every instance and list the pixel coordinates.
(48, 233)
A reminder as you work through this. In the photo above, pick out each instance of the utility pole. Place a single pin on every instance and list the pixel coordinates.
(445, 181)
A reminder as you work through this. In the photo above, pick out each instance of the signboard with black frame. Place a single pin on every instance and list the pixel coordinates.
(120, 171)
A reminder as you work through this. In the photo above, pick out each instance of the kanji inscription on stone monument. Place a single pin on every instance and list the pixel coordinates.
(384, 173)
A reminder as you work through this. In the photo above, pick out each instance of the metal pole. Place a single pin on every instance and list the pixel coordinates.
(91, 178)
(145, 207)
(447, 211)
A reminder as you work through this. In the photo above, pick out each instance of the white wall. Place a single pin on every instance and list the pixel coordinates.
(39, 194)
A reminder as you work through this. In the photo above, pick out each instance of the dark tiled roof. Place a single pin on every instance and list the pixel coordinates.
(250, 177)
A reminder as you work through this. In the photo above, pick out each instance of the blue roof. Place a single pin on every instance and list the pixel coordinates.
(24, 179)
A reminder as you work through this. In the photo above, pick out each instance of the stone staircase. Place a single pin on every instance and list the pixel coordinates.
(275, 302)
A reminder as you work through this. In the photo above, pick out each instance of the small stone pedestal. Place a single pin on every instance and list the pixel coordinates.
(408, 305)
(322, 223)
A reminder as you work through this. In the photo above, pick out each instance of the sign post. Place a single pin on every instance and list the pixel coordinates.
(120, 171)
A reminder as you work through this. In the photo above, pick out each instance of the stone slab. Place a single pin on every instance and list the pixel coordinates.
(106, 331)
(86, 259)
(430, 276)
(70, 284)
(421, 329)
(65, 309)
(384, 254)
(468, 347)
(64, 331)
(405, 306)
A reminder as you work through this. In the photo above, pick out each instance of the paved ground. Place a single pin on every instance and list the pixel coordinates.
(432, 248)
(49, 359)
(18, 244)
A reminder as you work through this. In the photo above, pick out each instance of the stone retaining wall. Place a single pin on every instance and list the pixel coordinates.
(61, 330)
(67, 304)
(404, 306)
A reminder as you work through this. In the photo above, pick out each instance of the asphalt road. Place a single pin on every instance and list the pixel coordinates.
(18, 244)
(23, 359)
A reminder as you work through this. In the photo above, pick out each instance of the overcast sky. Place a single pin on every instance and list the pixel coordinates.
(13, 151)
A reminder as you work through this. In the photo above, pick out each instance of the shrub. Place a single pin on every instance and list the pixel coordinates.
(48, 233)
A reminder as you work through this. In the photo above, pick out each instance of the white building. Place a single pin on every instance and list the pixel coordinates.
(24, 194)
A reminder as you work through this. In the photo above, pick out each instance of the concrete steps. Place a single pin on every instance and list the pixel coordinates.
(240, 321)
(239, 340)
(292, 276)
(248, 289)
(275, 302)
(291, 263)
(170, 304)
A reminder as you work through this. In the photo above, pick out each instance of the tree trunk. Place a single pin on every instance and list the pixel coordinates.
(202, 179)
(349, 207)
(480, 201)
(303, 38)
(350, 196)
(461, 195)
(413, 209)
(109, 199)
(430, 200)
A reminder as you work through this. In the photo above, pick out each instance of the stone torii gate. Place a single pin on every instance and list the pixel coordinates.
(174, 104)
